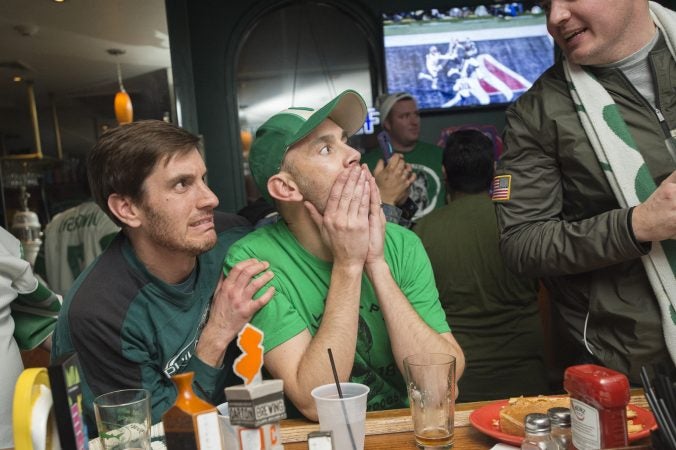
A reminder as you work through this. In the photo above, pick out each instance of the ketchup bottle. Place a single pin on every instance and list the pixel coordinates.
(598, 402)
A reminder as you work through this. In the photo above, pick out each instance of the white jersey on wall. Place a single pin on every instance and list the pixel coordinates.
(73, 239)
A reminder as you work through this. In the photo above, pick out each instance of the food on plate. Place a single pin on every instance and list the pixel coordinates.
(514, 413)
(633, 427)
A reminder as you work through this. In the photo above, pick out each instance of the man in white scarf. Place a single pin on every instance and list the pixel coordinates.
(589, 171)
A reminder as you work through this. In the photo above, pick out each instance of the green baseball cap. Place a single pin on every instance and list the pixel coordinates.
(286, 128)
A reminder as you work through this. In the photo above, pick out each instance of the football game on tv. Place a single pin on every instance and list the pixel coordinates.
(466, 57)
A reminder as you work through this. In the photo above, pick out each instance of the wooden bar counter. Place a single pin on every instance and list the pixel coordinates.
(393, 430)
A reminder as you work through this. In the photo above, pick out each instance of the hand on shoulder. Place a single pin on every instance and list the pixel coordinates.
(344, 223)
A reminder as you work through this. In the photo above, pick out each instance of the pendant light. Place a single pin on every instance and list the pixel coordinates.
(124, 112)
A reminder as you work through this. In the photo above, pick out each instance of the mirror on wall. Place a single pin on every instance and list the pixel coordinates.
(302, 54)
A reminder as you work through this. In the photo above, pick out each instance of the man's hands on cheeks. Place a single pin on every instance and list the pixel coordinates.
(394, 179)
(376, 227)
(344, 225)
(232, 307)
(655, 219)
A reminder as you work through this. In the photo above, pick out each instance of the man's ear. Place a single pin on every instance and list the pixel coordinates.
(282, 187)
(124, 209)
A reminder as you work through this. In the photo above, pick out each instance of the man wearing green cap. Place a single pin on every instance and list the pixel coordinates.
(344, 279)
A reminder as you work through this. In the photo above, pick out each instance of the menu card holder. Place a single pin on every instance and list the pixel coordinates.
(64, 377)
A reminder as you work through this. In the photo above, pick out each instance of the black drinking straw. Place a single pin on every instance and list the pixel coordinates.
(342, 404)
(659, 409)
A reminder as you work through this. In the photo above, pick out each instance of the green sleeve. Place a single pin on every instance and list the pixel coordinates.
(413, 272)
(35, 315)
(279, 319)
(207, 378)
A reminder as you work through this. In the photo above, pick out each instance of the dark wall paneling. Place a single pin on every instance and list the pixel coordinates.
(205, 37)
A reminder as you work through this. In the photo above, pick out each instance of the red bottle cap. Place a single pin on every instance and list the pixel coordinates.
(604, 387)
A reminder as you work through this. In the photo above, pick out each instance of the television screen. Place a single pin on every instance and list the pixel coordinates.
(465, 57)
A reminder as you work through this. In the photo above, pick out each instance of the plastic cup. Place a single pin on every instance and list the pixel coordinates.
(123, 419)
(344, 417)
(430, 380)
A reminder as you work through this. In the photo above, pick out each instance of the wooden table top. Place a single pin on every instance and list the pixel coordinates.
(393, 430)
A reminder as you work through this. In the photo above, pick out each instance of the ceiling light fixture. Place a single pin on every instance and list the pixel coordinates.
(124, 111)
(17, 79)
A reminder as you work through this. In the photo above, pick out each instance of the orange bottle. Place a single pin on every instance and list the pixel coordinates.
(192, 423)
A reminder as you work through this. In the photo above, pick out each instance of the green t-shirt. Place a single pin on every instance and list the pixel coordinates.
(302, 283)
(428, 190)
(494, 311)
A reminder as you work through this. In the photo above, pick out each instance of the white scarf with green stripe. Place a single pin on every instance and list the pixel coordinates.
(625, 168)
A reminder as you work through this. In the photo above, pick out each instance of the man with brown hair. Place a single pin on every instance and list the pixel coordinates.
(155, 303)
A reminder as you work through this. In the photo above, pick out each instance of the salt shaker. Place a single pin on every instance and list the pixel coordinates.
(538, 436)
(559, 418)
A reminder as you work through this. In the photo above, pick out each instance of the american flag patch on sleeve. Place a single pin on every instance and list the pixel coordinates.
(502, 188)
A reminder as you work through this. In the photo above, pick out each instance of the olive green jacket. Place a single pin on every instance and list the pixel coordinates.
(561, 221)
